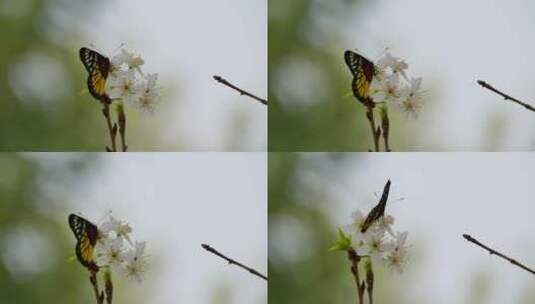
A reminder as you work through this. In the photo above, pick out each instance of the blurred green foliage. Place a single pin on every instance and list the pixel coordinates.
(35, 246)
(311, 104)
(41, 79)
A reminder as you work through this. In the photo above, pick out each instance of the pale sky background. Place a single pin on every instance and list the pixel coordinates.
(187, 42)
(175, 202)
(489, 196)
(451, 44)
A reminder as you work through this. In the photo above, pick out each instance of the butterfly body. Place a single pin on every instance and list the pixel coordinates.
(363, 71)
(98, 66)
(378, 211)
(86, 234)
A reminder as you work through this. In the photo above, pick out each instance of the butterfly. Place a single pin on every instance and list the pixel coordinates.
(86, 234)
(363, 71)
(378, 211)
(98, 67)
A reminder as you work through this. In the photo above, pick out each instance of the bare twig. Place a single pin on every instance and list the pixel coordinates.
(492, 251)
(505, 96)
(242, 92)
(231, 261)
(112, 128)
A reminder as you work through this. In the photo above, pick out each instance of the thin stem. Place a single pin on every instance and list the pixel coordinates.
(505, 96)
(385, 125)
(376, 132)
(369, 283)
(354, 258)
(94, 281)
(492, 251)
(112, 128)
(242, 92)
(109, 288)
(122, 127)
(231, 261)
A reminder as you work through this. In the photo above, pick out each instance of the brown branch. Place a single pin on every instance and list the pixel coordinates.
(231, 261)
(492, 251)
(376, 131)
(112, 128)
(122, 128)
(242, 92)
(385, 125)
(354, 258)
(505, 96)
(109, 289)
(94, 281)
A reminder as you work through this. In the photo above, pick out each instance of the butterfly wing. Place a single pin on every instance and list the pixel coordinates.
(363, 71)
(86, 234)
(378, 211)
(98, 67)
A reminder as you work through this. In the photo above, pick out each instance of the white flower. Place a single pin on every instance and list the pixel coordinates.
(375, 246)
(397, 258)
(122, 86)
(354, 228)
(148, 94)
(411, 100)
(110, 253)
(387, 89)
(396, 64)
(120, 228)
(135, 262)
(384, 223)
(129, 59)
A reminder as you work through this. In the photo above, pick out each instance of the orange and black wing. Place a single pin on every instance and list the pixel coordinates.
(378, 211)
(98, 67)
(363, 71)
(86, 234)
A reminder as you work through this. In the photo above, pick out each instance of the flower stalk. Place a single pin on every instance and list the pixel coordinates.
(94, 282)
(369, 281)
(376, 131)
(354, 259)
(108, 287)
(122, 126)
(385, 125)
(112, 128)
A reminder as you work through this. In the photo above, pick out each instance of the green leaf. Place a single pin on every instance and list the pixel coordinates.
(343, 242)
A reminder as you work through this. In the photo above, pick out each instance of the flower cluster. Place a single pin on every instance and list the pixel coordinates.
(392, 86)
(116, 250)
(379, 243)
(128, 83)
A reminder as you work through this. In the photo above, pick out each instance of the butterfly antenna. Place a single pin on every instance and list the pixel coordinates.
(398, 200)
(118, 48)
(105, 216)
(383, 52)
